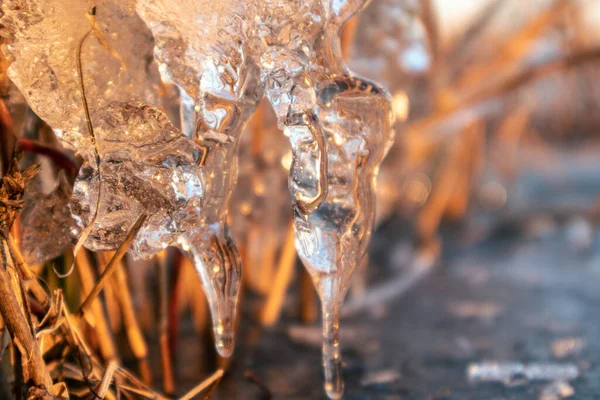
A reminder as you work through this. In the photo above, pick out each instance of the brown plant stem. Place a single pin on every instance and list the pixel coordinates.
(166, 358)
(30, 279)
(347, 36)
(429, 130)
(214, 378)
(309, 308)
(98, 318)
(283, 277)
(174, 298)
(137, 341)
(7, 139)
(447, 178)
(59, 159)
(34, 367)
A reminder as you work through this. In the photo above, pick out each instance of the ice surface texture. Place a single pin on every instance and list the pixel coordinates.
(47, 227)
(150, 166)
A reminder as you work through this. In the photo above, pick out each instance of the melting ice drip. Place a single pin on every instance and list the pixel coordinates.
(222, 55)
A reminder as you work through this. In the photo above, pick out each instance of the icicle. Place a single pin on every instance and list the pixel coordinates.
(218, 264)
(220, 89)
(340, 128)
(332, 356)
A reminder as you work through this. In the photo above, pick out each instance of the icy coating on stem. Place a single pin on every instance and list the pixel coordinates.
(340, 128)
(50, 41)
(201, 46)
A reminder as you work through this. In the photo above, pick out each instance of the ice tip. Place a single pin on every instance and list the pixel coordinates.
(334, 392)
(224, 345)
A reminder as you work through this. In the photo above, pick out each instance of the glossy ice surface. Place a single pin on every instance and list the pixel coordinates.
(156, 174)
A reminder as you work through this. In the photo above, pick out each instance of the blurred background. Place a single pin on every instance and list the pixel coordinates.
(483, 273)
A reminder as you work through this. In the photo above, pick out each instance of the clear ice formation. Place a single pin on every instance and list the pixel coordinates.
(222, 55)
(47, 228)
(340, 128)
(200, 47)
(118, 74)
(156, 174)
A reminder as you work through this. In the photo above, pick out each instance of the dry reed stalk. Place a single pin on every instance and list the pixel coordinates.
(257, 132)
(113, 309)
(266, 263)
(166, 358)
(513, 49)
(29, 278)
(106, 380)
(474, 140)
(135, 336)
(468, 40)
(15, 234)
(124, 375)
(202, 386)
(283, 277)
(114, 262)
(424, 134)
(252, 267)
(347, 37)
(173, 301)
(97, 319)
(7, 138)
(358, 281)
(59, 159)
(447, 177)
(33, 365)
(431, 23)
(184, 288)
(194, 295)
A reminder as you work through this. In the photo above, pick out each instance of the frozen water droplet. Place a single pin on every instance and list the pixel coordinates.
(147, 166)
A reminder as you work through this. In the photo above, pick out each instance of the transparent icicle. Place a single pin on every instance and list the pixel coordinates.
(340, 128)
(200, 46)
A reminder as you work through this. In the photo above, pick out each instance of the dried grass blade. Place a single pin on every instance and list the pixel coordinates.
(114, 262)
(203, 385)
(88, 229)
(106, 380)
